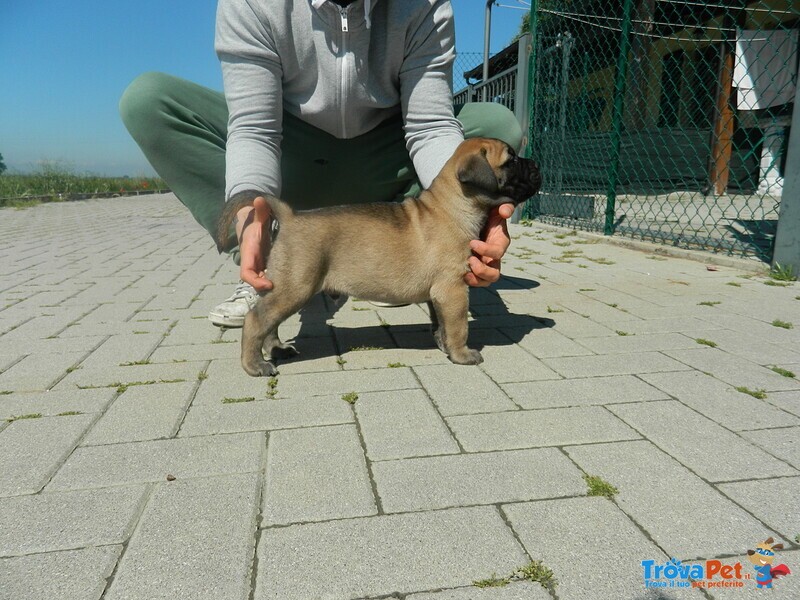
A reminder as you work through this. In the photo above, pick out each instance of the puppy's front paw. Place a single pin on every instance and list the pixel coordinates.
(259, 368)
(284, 351)
(466, 357)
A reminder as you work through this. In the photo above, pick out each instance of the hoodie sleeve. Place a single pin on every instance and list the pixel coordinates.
(426, 95)
(251, 74)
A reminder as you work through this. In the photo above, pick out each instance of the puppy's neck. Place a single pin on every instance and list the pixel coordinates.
(466, 213)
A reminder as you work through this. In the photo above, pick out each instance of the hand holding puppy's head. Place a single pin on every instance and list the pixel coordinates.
(490, 170)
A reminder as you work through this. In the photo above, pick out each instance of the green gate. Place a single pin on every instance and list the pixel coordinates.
(664, 120)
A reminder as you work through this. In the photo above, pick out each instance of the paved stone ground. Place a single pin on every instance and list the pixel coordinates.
(150, 466)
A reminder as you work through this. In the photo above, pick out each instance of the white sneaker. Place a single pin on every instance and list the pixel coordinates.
(232, 312)
(388, 304)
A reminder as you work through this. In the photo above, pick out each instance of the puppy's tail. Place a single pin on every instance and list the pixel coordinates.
(225, 237)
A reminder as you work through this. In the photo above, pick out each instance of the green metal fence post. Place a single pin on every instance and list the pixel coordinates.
(619, 105)
(787, 237)
(533, 28)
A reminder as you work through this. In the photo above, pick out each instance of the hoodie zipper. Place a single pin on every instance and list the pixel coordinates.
(343, 80)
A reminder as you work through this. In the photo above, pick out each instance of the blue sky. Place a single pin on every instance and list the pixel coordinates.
(66, 63)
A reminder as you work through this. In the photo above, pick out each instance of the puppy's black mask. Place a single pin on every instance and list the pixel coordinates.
(516, 180)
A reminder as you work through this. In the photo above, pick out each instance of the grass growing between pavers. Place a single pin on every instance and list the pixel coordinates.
(21, 417)
(135, 363)
(709, 303)
(535, 572)
(781, 272)
(238, 400)
(624, 333)
(782, 324)
(350, 397)
(396, 365)
(272, 387)
(705, 342)
(69, 413)
(121, 387)
(599, 487)
(773, 283)
(760, 394)
(784, 372)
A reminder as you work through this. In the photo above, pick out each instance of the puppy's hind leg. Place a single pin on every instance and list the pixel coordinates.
(451, 303)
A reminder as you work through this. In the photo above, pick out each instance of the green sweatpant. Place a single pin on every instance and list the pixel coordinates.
(181, 127)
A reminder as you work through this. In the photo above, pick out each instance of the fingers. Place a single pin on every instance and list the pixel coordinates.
(482, 275)
(506, 210)
(492, 251)
(258, 280)
(261, 211)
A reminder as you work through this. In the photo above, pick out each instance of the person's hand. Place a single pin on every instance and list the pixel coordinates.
(252, 231)
(487, 253)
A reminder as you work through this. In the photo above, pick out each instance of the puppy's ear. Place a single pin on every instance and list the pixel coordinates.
(476, 171)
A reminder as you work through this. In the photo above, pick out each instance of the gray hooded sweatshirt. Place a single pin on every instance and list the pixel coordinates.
(342, 70)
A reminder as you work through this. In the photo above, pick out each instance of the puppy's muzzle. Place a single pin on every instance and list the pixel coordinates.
(526, 181)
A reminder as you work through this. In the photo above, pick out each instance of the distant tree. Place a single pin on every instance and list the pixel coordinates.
(2, 165)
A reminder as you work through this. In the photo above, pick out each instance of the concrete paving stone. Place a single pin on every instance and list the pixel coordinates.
(143, 412)
(195, 352)
(55, 403)
(121, 349)
(113, 312)
(734, 370)
(458, 390)
(38, 372)
(32, 449)
(685, 325)
(138, 462)
(784, 588)
(787, 401)
(521, 590)
(707, 449)
(94, 329)
(581, 392)
(375, 359)
(66, 575)
(531, 429)
(632, 343)
(195, 539)
(226, 379)
(378, 555)
(684, 515)
(412, 314)
(51, 346)
(68, 520)
(191, 331)
(573, 536)
(113, 376)
(614, 364)
(359, 337)
(510, 363)
(546, 343)
(598, 311)
(402, 424)
(756, 328)
(264, 415)
(316, 474)
(757, 351)
(774, 501)
(783, 442)
(337, 383)
(720, 402)
(469, 479)
(41, 327)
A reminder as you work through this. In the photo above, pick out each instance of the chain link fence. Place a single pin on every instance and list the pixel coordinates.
(664, 120)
